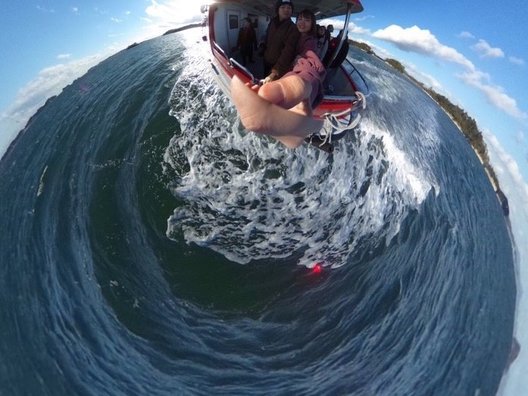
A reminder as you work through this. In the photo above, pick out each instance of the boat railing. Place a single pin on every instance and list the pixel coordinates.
(219, 49)
(352, 71)
(343, 35)
(234, 63)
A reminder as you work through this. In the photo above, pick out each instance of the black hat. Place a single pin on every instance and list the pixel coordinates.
(283, 2)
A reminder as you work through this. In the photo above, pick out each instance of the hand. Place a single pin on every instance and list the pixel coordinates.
(266, 80)
(254, 87)
(272, 77)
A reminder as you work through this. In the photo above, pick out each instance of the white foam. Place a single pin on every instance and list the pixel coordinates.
(248, 198)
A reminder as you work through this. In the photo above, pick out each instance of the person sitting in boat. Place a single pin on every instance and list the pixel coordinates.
(329, 31)
(283, 108)
(322, 41)
(247, 41)
(307, 63)
(281, 41)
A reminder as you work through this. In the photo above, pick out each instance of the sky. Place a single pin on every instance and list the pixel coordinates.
(473, 52)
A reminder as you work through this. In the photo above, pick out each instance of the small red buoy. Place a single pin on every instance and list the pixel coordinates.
(317, 268)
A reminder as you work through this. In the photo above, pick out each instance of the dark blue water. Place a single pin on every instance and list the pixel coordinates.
(150, 246)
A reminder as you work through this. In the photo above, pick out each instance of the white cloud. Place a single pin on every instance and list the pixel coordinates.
(487, 51)
(49, 82)
(466, 35)
(363, 18)
(75, 10)
(507, 169)
(168, 14)
(494, 93)
(163, 15)
(425, 78)
(63, 56)
(516, 61)
(353, 29)
(45, 10)
(116, 20)
(422, 41)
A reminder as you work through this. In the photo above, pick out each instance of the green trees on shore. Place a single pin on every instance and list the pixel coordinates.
(469, 128)
(363, 46)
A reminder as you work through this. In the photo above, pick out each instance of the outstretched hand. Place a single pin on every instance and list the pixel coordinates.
(270, 111)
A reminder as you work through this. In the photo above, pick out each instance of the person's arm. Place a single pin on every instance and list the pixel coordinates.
(284, 63)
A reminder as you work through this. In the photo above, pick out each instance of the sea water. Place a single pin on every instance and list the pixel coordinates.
(152, 246)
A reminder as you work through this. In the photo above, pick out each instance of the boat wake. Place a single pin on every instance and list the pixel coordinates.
(249, 198)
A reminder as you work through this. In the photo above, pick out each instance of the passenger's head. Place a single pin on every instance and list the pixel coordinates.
(321, 30)
(330, 28)
(284, 9)
(246, 22)
(306, 22)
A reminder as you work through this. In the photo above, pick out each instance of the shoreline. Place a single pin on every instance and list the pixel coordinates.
(455, 113)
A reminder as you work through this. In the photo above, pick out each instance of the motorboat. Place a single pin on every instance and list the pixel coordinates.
(344, 96)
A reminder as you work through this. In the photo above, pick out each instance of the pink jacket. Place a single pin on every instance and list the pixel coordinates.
(308, 66)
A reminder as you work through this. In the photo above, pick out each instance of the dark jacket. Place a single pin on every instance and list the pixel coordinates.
(305, 43)
(247, 39)
(281, 45)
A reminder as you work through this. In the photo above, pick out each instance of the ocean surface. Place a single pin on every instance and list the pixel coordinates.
(151, 246)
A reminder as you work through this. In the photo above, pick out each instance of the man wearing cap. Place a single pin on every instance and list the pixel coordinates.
(281, 42)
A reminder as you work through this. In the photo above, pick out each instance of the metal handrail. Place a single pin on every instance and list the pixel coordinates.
(343, 33)
(235, 63)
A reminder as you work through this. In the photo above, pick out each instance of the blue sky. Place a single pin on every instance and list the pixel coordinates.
(473, 52)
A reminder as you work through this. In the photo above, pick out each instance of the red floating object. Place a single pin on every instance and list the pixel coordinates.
(317, 268)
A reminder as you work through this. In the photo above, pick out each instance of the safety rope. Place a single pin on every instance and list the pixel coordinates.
(333, 125)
